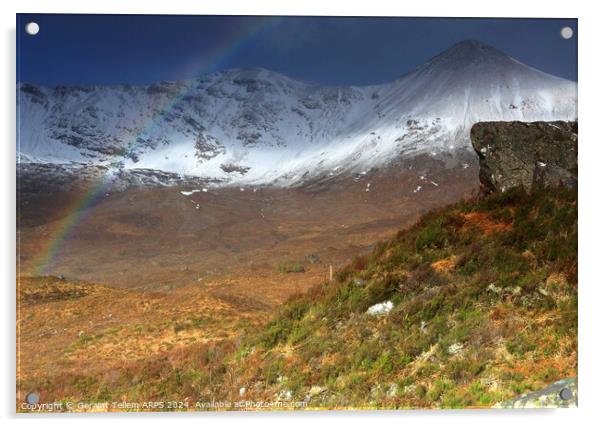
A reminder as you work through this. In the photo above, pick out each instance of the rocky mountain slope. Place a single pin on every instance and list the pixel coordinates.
(254, 126)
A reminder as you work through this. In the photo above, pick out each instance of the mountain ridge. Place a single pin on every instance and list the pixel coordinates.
(256, 126)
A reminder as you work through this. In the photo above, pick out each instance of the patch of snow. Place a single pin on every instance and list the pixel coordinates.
(417, 189)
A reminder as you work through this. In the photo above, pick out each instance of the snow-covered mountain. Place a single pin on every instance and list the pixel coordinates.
(255, 126)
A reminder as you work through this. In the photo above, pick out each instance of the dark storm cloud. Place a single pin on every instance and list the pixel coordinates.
(112, 49)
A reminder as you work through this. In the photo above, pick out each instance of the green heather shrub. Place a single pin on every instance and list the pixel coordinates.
(295, 267)
(432, 236)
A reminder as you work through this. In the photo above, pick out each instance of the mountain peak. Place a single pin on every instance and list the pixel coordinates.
(252, 73)
(471, 44)
(473, 49)
(470, 55)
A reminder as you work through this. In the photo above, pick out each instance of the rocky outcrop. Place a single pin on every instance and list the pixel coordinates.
(515, 154)
(561, 394)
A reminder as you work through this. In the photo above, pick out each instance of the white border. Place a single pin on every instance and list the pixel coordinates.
(590, 157)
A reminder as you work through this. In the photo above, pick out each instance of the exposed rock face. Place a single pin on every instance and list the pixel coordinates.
(515, 154)
(561, 394)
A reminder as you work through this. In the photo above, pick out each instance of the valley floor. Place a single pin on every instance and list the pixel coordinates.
(482, 306)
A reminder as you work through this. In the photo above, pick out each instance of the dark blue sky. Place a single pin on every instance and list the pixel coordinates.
(138, 49)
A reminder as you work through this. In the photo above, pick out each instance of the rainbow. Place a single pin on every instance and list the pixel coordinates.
(211, 61)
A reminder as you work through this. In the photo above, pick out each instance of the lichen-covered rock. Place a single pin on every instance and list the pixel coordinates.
(561, 394)
(513, 154)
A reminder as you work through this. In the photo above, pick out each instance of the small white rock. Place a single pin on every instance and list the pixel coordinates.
(455, 348)
(494, 288)
(380, 308)
(393, 390)
(315, 390)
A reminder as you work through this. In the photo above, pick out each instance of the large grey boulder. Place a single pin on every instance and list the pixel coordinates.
(515, 154)
(561, 394)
